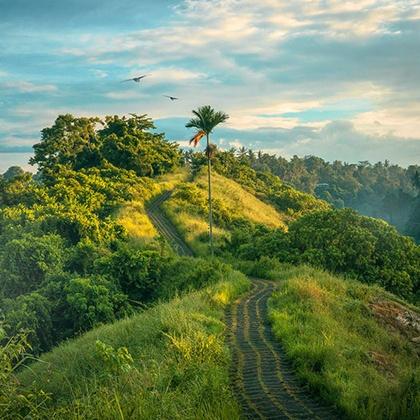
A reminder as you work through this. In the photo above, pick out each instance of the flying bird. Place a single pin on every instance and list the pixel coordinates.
(195, 140)
(136, 79)
(172, 98)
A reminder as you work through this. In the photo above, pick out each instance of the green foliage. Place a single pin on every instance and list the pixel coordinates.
(264, 184)
(16, 402)
(137, 272)
(379, 190)
(338, 345)
(115, 361)
(93, 300)
(356, 245)
(70, 141)
(185, 274)
(206, 119)
(32, 313)
(58, 229)
(25, 262)
(125, 143)
(169, 361)
(341, 241)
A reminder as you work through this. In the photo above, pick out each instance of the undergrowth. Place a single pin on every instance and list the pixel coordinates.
(169, 362)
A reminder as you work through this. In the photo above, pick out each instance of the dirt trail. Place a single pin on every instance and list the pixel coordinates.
(263, 381)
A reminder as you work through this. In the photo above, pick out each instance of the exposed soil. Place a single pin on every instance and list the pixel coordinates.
(398, 318)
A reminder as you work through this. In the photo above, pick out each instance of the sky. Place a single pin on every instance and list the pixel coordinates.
(335, 79)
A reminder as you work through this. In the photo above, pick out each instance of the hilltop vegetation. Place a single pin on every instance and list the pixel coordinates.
(78, 251)
(339, 240)
(233, 206)
(343, 242)
(167, 362)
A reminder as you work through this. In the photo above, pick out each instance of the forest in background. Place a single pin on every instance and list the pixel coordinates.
(382, 189)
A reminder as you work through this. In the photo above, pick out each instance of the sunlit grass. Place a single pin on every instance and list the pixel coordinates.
(170, 180)
(194, 229)
(328, 329)
(134, 218)
(179, 370)
(239, 201)
(193, 224)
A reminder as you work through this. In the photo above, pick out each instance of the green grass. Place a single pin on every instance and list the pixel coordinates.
(133, 217)
(169, 362)
(230, 199)
(363, 365)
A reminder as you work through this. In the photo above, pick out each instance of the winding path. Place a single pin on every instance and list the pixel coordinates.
(262, 379)
(165, 226)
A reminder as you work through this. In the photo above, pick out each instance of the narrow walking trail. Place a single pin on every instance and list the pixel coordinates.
(262, 379)
(165, 226)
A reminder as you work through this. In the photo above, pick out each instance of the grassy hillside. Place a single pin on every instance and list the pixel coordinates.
(350, 342)
(133, 215)
(232, 203)
(168, 362)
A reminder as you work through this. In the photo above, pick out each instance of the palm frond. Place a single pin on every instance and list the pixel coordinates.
(194, 123)
(206, 118)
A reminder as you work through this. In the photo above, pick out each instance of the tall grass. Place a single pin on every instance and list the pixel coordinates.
(341, 350)
(133, 215)
(169, 362)
(192, 223)
(239, 201)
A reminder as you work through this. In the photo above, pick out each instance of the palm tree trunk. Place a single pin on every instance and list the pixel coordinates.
(210, 201)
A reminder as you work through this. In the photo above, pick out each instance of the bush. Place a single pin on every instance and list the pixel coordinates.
(16, 402)
(26, 261)
(93, 300)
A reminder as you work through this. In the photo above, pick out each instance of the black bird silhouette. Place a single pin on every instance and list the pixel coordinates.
(136, 79)
(172, 98)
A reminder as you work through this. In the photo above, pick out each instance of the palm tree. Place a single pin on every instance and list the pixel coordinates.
(205, 120)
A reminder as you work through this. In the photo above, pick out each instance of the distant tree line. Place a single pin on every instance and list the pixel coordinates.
(381, 190)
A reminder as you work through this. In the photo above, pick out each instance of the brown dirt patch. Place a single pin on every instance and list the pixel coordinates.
(398, 318)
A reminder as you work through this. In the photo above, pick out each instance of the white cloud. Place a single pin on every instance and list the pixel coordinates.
(101, 74)
(259, 60)
(27, 87)
(125, 94)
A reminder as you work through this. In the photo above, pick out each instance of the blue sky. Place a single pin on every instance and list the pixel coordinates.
(337, 79)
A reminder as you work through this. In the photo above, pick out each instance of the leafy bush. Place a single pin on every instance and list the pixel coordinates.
(370, 249)
(26, 261)
(125, 143)
(32, 313)
(341, 241)
(16, 402)
(93, 300)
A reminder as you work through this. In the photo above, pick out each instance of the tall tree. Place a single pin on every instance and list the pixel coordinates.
(205, 120)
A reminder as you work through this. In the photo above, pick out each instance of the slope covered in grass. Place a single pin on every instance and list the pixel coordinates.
(351, 342)
(169, 362)
(233, 205)
(133, 216)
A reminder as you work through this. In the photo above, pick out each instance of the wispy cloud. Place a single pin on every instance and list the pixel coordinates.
(291, 68)
(27, 87)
